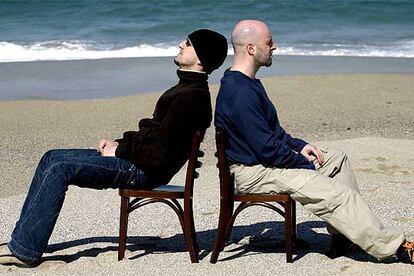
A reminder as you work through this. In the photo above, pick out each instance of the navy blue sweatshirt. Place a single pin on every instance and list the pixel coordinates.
(250, 121)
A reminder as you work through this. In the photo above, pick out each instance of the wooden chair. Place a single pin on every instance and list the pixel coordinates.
(228, 197)
(167, 194)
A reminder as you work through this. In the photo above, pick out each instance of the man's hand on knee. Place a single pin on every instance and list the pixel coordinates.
(106, 147)
(109, 150)
(311, 150)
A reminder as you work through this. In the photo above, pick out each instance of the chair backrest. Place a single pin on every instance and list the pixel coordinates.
(226, 178)
(193, 162)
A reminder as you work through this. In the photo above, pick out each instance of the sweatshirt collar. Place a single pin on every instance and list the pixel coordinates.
(191, 76)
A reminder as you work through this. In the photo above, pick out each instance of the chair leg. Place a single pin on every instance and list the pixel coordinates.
(294, 219)
(232, 219)
(226, 211)
(194, 236)
(294, 234)
(288, 231)
(190, 234)
(123, 226)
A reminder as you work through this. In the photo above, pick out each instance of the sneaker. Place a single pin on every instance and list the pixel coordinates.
(7, 258)
(405, 253)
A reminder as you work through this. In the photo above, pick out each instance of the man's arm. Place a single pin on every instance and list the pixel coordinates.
(306, 149)
(128, 135)
(178, 123)
(248, 116)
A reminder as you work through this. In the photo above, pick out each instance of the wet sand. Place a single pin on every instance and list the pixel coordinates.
(107, 78)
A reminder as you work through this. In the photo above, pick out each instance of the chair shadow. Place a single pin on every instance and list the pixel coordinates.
(147, 244)
(268, 237)
(263, 237)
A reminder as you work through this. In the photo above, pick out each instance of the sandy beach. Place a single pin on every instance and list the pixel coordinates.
(368, 115)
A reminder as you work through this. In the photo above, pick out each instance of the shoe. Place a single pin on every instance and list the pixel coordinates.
(7, 258)
(339, 246)
(405, 252)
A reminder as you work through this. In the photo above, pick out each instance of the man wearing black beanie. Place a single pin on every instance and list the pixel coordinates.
(146, 158)
(209, 47)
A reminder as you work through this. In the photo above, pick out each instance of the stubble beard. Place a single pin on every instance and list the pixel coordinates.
(177, 60)
(269, 62)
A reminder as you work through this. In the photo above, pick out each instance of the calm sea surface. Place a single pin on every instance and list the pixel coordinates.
(86, 29)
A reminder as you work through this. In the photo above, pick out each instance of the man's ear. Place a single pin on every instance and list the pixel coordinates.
(251, 49)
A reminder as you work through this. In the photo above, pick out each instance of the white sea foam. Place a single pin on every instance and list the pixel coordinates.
(10, 52)
(77, 50)
(401, 50)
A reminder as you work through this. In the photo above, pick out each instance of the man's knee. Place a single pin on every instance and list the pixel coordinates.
(50, 154)
(335, 155)
(339, 196)
(57, 174)
(59, 166)
(335, 152)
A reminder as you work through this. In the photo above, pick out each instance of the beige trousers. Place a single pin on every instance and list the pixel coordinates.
(331, 193)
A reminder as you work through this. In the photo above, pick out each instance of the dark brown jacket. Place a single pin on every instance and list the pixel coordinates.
(162, 145)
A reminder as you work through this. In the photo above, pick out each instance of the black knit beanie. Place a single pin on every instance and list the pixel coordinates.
(210, 47)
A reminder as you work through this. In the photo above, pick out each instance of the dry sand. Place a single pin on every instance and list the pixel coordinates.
(370, 116)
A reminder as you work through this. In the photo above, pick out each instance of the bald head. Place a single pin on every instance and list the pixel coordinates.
(253, 46)
(248, 31)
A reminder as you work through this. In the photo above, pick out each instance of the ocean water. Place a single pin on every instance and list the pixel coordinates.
(93, 29)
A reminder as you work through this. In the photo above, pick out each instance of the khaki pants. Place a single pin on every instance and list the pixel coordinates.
(331, 193)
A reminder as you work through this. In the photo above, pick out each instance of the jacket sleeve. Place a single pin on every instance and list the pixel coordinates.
(294, 143)
(249, 118)
(127, 136)
(147, 153)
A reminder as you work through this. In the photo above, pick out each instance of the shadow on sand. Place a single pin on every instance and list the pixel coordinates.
(246, 240)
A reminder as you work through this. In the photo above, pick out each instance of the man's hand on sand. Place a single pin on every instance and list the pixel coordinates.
(107, 147)
(311, 150)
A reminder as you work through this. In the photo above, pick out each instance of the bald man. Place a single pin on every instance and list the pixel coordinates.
(266, 159)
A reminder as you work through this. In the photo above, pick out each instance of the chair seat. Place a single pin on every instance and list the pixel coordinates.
(164, 191)
(170, 188)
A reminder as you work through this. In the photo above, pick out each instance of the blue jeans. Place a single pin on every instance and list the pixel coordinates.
(56, 170)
